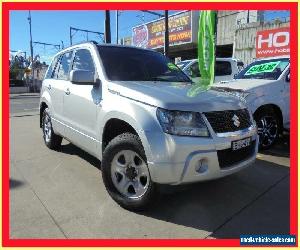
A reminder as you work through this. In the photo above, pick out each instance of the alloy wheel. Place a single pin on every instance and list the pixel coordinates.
(267, 129)
(130, 174)
(47, 128)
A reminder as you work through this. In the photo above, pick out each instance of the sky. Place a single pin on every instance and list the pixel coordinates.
(54, 27)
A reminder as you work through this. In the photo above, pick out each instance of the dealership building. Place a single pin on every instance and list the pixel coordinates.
(241, 34)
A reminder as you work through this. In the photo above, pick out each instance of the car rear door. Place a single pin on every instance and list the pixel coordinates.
(55, 87)
(60, 79)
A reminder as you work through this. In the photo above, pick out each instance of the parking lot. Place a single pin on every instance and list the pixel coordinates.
(60, 194)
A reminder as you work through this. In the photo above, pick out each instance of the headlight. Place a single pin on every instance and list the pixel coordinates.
(182, 123)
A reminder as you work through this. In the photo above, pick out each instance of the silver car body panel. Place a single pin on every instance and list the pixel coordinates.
(85, 111)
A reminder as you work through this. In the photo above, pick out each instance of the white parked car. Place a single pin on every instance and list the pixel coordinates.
(265, 84)
(226, 69)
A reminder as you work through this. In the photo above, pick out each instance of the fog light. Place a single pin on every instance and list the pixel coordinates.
(201, 166)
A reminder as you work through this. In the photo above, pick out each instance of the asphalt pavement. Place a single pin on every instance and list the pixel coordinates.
(26, 103)
(60, 194)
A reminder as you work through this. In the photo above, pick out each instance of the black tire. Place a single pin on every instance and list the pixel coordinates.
(53, 141)
(268, 128)
(131, 142)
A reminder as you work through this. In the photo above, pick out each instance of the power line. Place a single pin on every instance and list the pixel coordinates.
(101, 34)
(57, 46)
(153, 13)
(21, 52)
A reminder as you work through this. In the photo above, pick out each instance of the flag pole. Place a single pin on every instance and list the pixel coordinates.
(215, 31)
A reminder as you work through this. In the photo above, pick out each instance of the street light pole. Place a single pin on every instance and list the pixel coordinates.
(107, 27)
(31, 47)
(117, 27)
(70, 36)
(166, 47)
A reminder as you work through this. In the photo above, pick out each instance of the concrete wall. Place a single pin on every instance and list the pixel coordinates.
(18, 90)
(245, 39)
(229, 21)
(226, 26)
(26, 89)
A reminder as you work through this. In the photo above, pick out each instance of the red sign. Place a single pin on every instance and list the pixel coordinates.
(151, 35)
(274, 42)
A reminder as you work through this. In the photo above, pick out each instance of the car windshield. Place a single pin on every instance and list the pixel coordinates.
(132, 64)
(264, 69)
(182, 64)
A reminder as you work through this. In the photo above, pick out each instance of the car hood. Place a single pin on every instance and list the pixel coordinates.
(244, 84)
(176, 96)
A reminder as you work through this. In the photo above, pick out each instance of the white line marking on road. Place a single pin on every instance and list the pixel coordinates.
(31, 109)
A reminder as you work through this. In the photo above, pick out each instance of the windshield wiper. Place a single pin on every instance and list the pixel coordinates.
(166, 80)
(188, 81)
(159, 79)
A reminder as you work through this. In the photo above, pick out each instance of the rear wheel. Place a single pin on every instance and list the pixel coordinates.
(52, 140)
(125, 172)
(268, 128)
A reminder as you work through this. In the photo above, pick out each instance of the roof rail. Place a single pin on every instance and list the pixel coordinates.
(92, 41)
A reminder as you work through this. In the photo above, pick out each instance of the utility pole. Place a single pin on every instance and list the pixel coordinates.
(107, 27)
(117, 27)
(166, 46)
(31, 47)
(71, 36)
(248, 16)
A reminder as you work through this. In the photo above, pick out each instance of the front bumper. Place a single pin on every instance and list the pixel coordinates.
(181, 159)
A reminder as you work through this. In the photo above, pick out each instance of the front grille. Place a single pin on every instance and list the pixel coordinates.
(222, 121)
(228, 157)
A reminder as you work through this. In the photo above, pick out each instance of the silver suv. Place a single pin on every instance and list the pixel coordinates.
(133, 110)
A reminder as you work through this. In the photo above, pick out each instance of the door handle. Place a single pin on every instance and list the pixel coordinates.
(49, 86)
(67, 91)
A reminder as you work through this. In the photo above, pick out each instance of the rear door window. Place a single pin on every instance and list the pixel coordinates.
(223, 68)
(195, 72)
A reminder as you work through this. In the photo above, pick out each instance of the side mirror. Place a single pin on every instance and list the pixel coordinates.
(85, 77)
(288, 77)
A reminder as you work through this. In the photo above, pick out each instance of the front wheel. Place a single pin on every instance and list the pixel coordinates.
(268, 128)
(125, 172)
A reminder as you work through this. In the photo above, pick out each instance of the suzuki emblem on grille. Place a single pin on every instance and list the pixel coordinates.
(236, 120)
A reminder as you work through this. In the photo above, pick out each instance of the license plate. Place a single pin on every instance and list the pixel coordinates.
(236, 145)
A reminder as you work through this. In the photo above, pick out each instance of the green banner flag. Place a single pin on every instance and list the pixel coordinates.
(206, 46)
